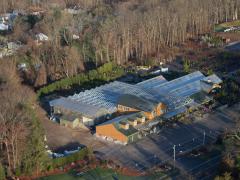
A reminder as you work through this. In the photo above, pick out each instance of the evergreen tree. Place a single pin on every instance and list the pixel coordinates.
(2, 172)
(35, 157)
(186, 66)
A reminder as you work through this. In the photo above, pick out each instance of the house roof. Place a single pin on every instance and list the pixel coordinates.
(136, 102)
(42, 37)
(3, 27)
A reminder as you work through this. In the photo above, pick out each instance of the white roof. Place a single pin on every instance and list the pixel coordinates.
(3, 27)
(42, 37)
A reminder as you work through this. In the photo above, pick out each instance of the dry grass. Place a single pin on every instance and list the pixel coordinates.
(230, 24)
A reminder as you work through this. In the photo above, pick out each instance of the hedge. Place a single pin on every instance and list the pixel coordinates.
(59, 162)
(106, 72)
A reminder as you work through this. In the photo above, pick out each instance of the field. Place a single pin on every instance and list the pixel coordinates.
(223, 26)
(98, 174)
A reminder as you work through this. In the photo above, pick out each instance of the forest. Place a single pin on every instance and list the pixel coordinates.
(123, 32)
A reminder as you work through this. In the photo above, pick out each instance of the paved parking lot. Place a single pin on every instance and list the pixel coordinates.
(155, 149)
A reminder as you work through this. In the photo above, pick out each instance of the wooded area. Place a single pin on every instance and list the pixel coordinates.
(21, 136)
(120, 31)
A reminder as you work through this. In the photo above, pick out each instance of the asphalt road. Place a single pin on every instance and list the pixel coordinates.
(234, 46)
(156, 149)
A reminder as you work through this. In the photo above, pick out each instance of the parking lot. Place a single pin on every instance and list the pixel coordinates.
(157, 149)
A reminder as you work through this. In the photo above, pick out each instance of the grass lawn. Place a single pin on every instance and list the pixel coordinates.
(99, 174)
(223, 26)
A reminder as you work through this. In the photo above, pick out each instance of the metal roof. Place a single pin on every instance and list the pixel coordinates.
(213, 79)
(78, 107)
(175, 112)
(136, 102)
(175, 94)
(180, 82)
(151, 83)
(106, 96)
(122, 118)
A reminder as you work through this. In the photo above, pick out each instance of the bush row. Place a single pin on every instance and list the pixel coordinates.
(106, 72)
(59, 162)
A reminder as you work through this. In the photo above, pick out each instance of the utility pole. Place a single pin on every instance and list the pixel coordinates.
(155, 158)
(204, 136)
(174, 154)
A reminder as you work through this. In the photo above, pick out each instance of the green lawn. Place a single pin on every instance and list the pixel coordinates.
(99, 174)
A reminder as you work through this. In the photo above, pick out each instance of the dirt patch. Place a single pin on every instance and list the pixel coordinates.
(60, 137)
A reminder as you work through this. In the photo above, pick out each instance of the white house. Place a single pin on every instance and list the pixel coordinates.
(4, 27)
(41, 37)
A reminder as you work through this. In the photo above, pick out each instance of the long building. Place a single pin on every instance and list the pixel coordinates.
(152, 98)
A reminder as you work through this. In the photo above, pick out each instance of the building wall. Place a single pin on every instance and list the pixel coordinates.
(76, 123)
(133, 137)
(161, 109)
(87, 121)
(110, 131)
(70, 124)
(149, 115)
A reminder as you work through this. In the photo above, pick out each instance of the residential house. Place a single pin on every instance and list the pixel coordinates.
(40, 38)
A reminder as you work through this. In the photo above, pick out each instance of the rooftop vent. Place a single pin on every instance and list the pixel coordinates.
(133, 122)
(209, 81)
(124, 125)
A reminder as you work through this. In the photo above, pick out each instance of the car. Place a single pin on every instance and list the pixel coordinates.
(174, 124)
(195, 153)
(80, 174)
(165, 167)
(92, 129)
(99, 154)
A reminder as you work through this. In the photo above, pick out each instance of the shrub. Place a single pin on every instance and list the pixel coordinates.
(59, 162)
(2, 172)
